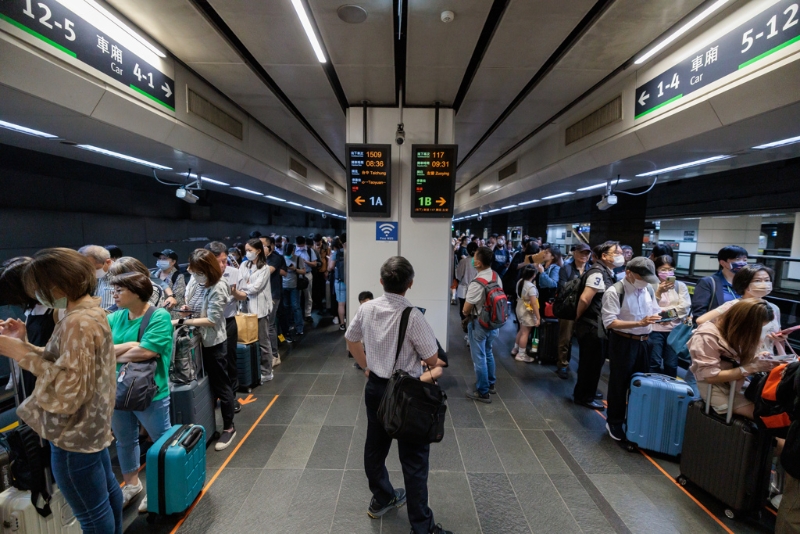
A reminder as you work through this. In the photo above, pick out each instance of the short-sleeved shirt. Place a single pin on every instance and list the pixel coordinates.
(599, 278)
(290, 280)
(231, 275)
(377, 324)
(157, 338)
(476, 293)
(275, 279)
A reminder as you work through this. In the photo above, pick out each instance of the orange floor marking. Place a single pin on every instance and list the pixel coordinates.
(223, 466)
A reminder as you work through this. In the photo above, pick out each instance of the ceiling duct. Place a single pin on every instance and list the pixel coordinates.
(600, 118)
(211, 113)
(298, 168)
(508, 170)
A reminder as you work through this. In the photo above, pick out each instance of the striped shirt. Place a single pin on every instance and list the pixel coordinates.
(105, 292)
(377, 324)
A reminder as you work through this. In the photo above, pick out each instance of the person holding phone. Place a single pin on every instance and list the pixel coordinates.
(676, 304)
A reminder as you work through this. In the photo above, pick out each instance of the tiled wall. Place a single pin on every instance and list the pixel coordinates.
(717, 232)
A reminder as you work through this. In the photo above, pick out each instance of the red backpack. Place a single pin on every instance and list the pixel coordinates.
(495, 304)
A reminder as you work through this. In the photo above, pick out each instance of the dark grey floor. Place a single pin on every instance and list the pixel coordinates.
(529, 462)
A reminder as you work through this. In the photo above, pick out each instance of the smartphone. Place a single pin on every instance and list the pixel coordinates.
(671, 279)
(668, 315)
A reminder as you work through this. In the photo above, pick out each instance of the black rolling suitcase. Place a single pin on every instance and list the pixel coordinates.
(727, 457)
(248, 366)
(548, 342)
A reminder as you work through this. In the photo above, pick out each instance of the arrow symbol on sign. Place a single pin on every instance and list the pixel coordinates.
(359, 200)
(643, 98)
(441, 201)
(167, 90)
(248, 400)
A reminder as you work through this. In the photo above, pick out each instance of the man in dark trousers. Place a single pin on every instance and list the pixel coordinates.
(372, 339)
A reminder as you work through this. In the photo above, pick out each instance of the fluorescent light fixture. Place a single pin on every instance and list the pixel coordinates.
(104, 20)
(529, 202)
(558, 196)
(117, 155)
(690, 219)
(726, 217)
(483, 213)
(494, 210)
(604, 184)
(782, 142)
(295, 204)
(243, 190)
(27, 131)
(304, 20)
(308, 207)
(212, 181)
(275, 198)
(509, 207)
(684, 165)
(680, 31)
(319, 210)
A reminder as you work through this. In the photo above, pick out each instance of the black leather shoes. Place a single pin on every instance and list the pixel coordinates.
(592, 404)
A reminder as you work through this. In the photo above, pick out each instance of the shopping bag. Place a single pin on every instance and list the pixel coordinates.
(247, 323)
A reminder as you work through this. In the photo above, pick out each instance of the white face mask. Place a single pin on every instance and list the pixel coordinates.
(59, 304)
(201, 279)
(251, 256)
(760, 289)
(619, 260)
(99, 273)
(162, 264)
(640, 284)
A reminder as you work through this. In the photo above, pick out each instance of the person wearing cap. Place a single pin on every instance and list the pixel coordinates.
(573, 268)
(174, 283)
(629, 311)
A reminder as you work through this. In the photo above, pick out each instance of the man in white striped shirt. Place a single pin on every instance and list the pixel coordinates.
(377, 326)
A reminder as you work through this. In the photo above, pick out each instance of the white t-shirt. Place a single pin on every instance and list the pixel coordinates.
(596, 282)
(475, 293)
(231, 276)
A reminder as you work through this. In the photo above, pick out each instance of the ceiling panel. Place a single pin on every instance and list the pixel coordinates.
(438, 52)
(362, 54)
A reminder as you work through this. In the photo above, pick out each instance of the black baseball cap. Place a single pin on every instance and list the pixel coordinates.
(168, 252)
(580, 247)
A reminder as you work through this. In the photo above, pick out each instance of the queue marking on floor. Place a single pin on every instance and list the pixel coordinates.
(692, 497)
(223, 466)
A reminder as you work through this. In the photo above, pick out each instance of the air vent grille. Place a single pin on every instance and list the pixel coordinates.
(211, 113)
(608, 114)
(474, 190)
(298, 168)
(329, 187)
(508, 170)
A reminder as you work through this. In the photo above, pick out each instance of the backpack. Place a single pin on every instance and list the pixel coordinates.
(774, 396)
(495, 304)
(30, 456)
(186, 351)
(565, 305)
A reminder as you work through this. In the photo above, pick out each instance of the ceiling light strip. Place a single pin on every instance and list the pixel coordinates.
(27, 131)
(566, 194)
(776, 144)
(124, 157)
(684, 165)
(244, 190)
(312, 36)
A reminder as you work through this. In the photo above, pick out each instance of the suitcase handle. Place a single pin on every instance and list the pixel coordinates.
(729, 415)
(192, 438)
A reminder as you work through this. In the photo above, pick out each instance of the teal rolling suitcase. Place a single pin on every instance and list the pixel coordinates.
(176, 469)
(248, 366)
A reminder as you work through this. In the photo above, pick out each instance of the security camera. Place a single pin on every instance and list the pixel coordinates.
(324, 216)
(606, 202)
(480, 217)
(400, 135)
(448, 16)
(186, 195)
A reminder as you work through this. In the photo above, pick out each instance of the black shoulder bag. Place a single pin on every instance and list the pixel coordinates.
(136, 383)
(412, 410)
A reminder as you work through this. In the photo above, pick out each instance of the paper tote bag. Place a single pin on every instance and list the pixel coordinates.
(247, 323)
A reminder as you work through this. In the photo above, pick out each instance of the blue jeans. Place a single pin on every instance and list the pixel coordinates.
(662, 355)
(480, 347)
(692, 382)
(90, 488)
(291, 300)
(125, 425)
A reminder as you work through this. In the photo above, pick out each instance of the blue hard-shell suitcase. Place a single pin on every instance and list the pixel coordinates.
(176, 469)
(248, 366)
(657, 406)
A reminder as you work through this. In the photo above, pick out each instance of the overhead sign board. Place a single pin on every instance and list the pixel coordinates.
(369, 172)
(60, 28)
(433, 180)
(771, 30)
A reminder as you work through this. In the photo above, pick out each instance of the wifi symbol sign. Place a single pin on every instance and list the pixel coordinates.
(386, 231)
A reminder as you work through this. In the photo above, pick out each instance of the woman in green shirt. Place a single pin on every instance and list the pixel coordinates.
(131, 293)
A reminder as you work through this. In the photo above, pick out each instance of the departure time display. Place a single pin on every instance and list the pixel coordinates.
(433, 169)
(369, 180)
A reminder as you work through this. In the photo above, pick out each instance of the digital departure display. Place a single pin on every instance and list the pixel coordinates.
(433, 180)
(369, 171)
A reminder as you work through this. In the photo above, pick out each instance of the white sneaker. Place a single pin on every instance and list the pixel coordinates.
(335, 320)
(129, 492)
(776, 500)
(266, 377)
(522, 357)
(143, 505)
(515, 350)
(276, 361)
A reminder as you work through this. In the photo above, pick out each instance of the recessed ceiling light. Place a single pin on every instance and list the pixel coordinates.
(558, 196)
(685, 165)
(275, 198)
(306, 22)
(125, 157)
(27, 131)
(680, 31)
(243, 190)
(775, 144)
(352, 14)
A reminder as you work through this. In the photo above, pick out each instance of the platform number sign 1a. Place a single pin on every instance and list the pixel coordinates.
(772, 30)
(369, 180)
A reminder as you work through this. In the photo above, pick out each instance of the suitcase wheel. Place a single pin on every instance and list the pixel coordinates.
(682, 480)
(729, 513)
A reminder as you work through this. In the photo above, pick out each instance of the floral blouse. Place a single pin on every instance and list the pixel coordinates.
(73, 401)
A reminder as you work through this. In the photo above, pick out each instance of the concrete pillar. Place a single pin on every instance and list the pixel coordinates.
(423, 242)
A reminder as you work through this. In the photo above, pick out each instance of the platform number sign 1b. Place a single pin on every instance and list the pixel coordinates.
(772, 30)
(386, 231)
